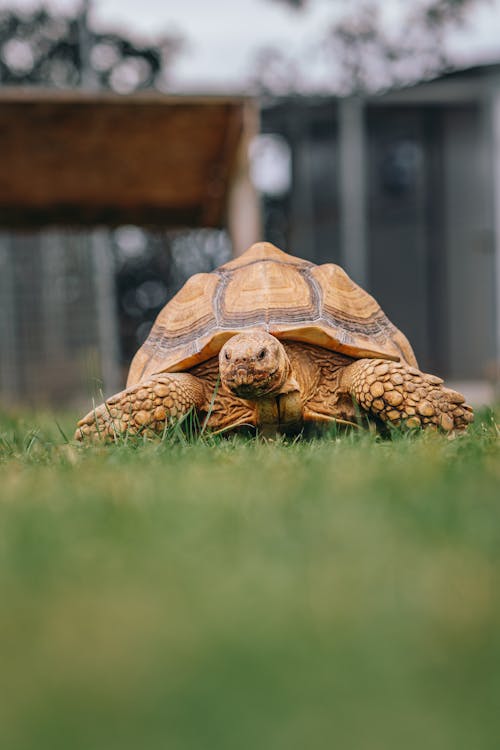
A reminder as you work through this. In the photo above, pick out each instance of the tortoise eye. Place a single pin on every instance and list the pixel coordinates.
(262, 354)
(227, 354)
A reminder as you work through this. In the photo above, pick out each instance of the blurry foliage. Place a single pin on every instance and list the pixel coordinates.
(50, 49)
(363, 54)
(293, 3)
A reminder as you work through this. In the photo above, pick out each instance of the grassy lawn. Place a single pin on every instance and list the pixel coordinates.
(338, 593)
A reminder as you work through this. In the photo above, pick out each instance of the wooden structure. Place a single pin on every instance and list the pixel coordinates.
(75, 164)
(85, 158)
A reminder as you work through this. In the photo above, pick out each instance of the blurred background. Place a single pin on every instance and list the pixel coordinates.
(144, 142)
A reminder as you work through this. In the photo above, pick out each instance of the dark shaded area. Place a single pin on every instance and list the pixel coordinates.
(75, 215)
(151, 267)
(305, 219)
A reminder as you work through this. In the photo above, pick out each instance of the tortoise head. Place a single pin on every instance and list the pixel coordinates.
(254, 365)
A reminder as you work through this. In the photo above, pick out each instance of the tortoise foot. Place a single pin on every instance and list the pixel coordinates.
(144, 408)
(402, 395)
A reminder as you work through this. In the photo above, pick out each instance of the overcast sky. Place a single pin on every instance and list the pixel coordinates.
(223, 35)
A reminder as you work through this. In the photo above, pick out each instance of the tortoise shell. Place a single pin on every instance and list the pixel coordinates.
(266, 288)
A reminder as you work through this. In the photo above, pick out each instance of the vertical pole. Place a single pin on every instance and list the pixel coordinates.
(52, 272)
(302, 225)
(107, 323)
(243, 204)
(353, 232)
(100, 243)
(301, 234)
(8, 352)
(495, 114)
(243, 208)
(88, 78)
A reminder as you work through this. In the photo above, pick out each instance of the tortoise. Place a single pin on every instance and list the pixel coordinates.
(273, 341)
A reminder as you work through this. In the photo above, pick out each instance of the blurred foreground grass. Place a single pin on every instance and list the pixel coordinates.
(338, 593)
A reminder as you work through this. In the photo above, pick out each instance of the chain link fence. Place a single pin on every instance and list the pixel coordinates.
(76, 305)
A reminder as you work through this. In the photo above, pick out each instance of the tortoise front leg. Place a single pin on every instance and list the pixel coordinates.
(147, 406)
(399, 394)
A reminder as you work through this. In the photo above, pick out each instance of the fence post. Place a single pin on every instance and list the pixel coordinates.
(243, 202)
(107, 316)
(9, 375)
(495, 117)
(354, 246)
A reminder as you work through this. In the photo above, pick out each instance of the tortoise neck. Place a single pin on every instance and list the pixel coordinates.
(289, 383)
(279, 413)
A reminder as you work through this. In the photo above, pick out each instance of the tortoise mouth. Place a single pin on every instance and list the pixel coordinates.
(248, 384)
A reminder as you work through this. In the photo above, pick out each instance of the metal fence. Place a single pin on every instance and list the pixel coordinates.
(75, 305)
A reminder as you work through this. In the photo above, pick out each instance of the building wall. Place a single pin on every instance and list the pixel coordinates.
(306, 219)
(398, 181)
(469, 245)
(427, 204)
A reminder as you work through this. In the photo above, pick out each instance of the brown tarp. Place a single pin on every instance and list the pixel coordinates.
(80, 158)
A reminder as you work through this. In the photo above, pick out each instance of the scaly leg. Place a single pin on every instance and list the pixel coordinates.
(399, 394)
(146, 406)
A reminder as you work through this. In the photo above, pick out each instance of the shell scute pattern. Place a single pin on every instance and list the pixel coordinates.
(289, 297)
(268, 293)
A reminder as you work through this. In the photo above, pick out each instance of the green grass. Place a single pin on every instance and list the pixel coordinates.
(233, 594)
